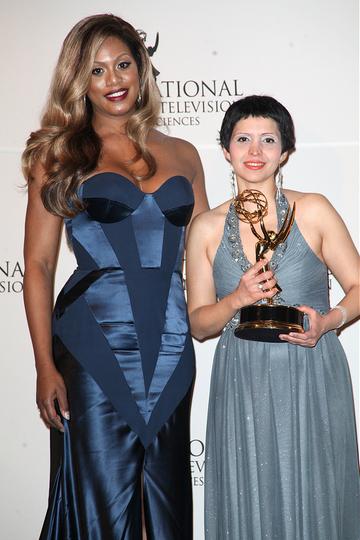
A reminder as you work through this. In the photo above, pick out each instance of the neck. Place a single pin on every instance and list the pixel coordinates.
(267, 188)
(105, 125)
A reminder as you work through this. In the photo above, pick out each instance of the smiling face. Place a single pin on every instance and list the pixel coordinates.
(114, 84)
(255, 151)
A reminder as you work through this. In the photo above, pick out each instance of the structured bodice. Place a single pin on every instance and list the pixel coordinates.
(127, 296)
(121, 221)
(302, 276)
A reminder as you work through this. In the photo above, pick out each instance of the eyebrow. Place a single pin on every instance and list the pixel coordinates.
(116, 59)
(262, 134)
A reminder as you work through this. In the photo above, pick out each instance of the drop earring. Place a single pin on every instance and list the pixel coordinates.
(233, 183)
(138, 99)
(279, 183)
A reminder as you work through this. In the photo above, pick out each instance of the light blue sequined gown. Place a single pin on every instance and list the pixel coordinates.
(281, 459)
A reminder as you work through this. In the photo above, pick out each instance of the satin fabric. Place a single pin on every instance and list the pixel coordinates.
(149, 233)
(95, 487)
(281, 455)
(122, 344)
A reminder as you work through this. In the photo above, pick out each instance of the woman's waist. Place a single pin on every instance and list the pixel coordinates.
(80, 272)
(321, 307)
(317, 301)
(82, 276)
(110, 285)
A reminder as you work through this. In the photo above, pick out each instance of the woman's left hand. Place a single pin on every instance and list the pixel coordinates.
(316, 329)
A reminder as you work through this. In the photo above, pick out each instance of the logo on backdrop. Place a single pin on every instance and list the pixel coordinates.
(197, 462)
(151, 49)
(188, 102)
(11, 277)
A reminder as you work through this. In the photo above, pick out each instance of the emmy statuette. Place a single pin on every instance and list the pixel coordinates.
(266, 320)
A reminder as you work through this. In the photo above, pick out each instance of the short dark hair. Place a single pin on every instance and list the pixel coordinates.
(259, 106)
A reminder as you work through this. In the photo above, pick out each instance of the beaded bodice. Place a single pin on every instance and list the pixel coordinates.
(302, 276)
(233, 236)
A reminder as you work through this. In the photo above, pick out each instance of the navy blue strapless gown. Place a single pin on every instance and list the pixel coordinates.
(122, 344)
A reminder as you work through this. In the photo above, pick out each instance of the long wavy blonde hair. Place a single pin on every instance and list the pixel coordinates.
(66, 144)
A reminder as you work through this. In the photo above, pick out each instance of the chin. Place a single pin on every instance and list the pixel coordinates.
(122, 111)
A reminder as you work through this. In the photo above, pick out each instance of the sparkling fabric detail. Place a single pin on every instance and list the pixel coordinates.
(233, 236)
(237, 251)
(281, 456)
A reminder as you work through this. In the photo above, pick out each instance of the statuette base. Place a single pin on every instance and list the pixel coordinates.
(265, 322)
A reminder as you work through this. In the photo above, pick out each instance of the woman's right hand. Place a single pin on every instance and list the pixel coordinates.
(255, 285)
(51, 387)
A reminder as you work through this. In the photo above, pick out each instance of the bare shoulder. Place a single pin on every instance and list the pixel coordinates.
(172, 142)
(305, 198)
(309, 205)
(38, 174)
(177, 155)
(186, 152)
(184, 146)
(180, 148)
(211, 221)
(38, 171)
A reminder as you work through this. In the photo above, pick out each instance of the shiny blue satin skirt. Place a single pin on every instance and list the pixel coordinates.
(98, 466)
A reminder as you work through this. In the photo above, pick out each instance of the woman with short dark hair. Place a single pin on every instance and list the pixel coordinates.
(281, 454)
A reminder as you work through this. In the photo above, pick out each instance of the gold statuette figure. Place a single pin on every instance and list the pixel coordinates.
(265, 321)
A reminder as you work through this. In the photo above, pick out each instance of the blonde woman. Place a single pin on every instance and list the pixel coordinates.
(115, 361)
(281, 455)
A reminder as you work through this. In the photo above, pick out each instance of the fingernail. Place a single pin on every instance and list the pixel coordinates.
(66, 415)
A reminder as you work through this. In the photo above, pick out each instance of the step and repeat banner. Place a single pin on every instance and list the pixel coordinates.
(207, 56)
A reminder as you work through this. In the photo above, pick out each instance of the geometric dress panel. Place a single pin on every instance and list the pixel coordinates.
(122, 313)
(122, 345)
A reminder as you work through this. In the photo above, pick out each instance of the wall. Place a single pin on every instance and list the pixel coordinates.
(303, 53)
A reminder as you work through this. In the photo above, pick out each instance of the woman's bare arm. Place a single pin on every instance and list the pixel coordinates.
(198, 184)
(341, 257)
(42, 238)
(190, 162)
(207, 316)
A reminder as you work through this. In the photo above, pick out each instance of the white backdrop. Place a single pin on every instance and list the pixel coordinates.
(303, 53)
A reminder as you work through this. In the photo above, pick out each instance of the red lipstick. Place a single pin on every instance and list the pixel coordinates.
(117, 95)
(254, 165)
